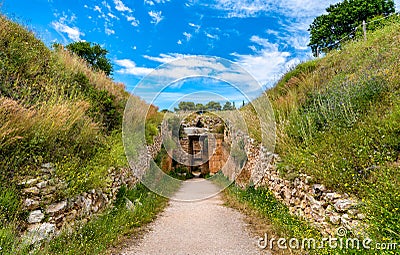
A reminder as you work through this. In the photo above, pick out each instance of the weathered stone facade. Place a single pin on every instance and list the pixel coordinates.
(218, 157)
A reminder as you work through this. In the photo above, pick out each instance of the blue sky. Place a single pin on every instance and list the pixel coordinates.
(265, 37)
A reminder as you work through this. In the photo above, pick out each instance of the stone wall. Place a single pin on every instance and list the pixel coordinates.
(324, 208)
(49, 213)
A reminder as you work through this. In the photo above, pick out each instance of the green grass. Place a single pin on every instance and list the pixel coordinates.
(261, 203)
(287, 226)
(55, 108)
(337, 119)
(85, 174)
(100, 233)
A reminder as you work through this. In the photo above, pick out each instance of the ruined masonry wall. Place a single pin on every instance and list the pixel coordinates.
(49, 214)
(325, 209)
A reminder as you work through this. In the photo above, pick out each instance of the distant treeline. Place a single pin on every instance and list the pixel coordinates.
(210, 106)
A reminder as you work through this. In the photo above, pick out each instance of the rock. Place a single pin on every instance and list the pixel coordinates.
(49, 190)
(303, 204)
(317, 217)
(330, 208)
(87, 204)
(55, 208)
(343, 205)
(335, 219)
(352, 212)
(361, 216)
(41, 185)
(345, 219)
(31, 191)
(35, 217)
(311, 199)
(39, 232)
(30, 204)
(316, 207)
(47, 168)
(29, 182)
(287, 193)
(295, 201)
(47, 165)
(317, 188)
(332, 196)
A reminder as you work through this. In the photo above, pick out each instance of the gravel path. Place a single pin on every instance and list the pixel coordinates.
(201, 227)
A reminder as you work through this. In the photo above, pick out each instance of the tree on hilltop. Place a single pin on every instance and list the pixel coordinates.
(341, 20)
(94, 55)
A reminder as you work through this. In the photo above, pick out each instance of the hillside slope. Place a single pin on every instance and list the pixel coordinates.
(57, 111)
(338, 120)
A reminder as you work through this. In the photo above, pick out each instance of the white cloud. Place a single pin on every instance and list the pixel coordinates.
(112, 16)
(254, 8)
(272, 32)
(253, 48)
(152, 2)
(187, 35)
(166, 58)
(73, 33)
(109, 31)
(179, 42)
(242, 8)
(129, 67)
(156, 17)
(266, 64)
(97, 9)
(133, 20)
(303, 8)
(299, 42)
(149, 2)
(105, 4)
(211, 36)
(120, 6)
(181, 67)
(264, 42)
(197, 27)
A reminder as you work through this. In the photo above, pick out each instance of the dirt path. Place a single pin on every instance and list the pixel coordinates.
(202, 227)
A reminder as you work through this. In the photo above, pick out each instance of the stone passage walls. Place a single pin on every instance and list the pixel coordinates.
(49, 213)
(325, 209)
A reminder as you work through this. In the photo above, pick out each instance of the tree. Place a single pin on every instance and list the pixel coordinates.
(227, 106)
(342, 19)
(94, 55)
(186, 106)
(200, 107)
(213, 106)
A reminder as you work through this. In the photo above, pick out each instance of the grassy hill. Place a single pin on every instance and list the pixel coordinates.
(338, 120)
(54, 108)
